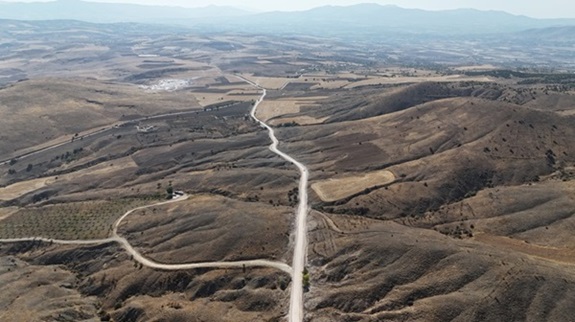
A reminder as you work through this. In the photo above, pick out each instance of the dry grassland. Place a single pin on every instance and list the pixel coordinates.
(11, 63)
(62, 139)
(562, 255)
(269, 82)
(7, 211)
(21, 188)
(236, 92)
(301, 120)
(394, 76)
(279, 57)
(109, 69)
(32, 292)
(58, 108)
(336, 189)
(206, 99)
(567, 113)
(204, 309)
(234, 79)
(242, 96)
(105, 169)
(264, 62)
(118, 167)
(331, 84)
(236, 87)
(269, 109)
(350, 76)
(208, 228)
(407, 80)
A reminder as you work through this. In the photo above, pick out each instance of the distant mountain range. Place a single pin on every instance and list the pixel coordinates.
(328, 20)
(389, 17)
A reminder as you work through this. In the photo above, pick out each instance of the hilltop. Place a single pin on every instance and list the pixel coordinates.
(471, 222)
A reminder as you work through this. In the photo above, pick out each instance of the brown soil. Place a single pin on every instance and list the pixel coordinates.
(208, 228)
(477, 225)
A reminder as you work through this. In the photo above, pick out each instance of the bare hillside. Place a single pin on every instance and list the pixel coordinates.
(475, 225)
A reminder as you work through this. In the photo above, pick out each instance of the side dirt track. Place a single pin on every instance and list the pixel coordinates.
(150, 263)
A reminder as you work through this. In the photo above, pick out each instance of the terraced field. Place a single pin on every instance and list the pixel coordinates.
(69, 221)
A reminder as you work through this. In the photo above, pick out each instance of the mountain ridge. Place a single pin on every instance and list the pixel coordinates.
(411, 20)
(326, 20)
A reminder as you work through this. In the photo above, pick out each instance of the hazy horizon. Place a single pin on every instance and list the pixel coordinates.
(548, 9)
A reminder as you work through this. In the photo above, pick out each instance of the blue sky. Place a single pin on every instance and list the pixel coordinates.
(533, 8)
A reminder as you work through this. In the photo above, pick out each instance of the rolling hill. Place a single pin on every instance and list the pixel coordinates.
(451, 188)
(476, 226)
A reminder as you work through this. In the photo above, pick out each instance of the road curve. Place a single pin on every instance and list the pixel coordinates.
(300, 247)
(148, 262)
(172, 267)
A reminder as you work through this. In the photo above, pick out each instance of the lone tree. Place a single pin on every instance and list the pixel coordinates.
(306, 278)
(170, 192)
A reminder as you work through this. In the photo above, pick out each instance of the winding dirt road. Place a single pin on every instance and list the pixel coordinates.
(148, 262)
(300, 247)
(172, 267)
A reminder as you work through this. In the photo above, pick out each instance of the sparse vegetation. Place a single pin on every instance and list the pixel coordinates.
(288, 124)
(70, 221)
(402, 151)
(306, 279)
(169, 192)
